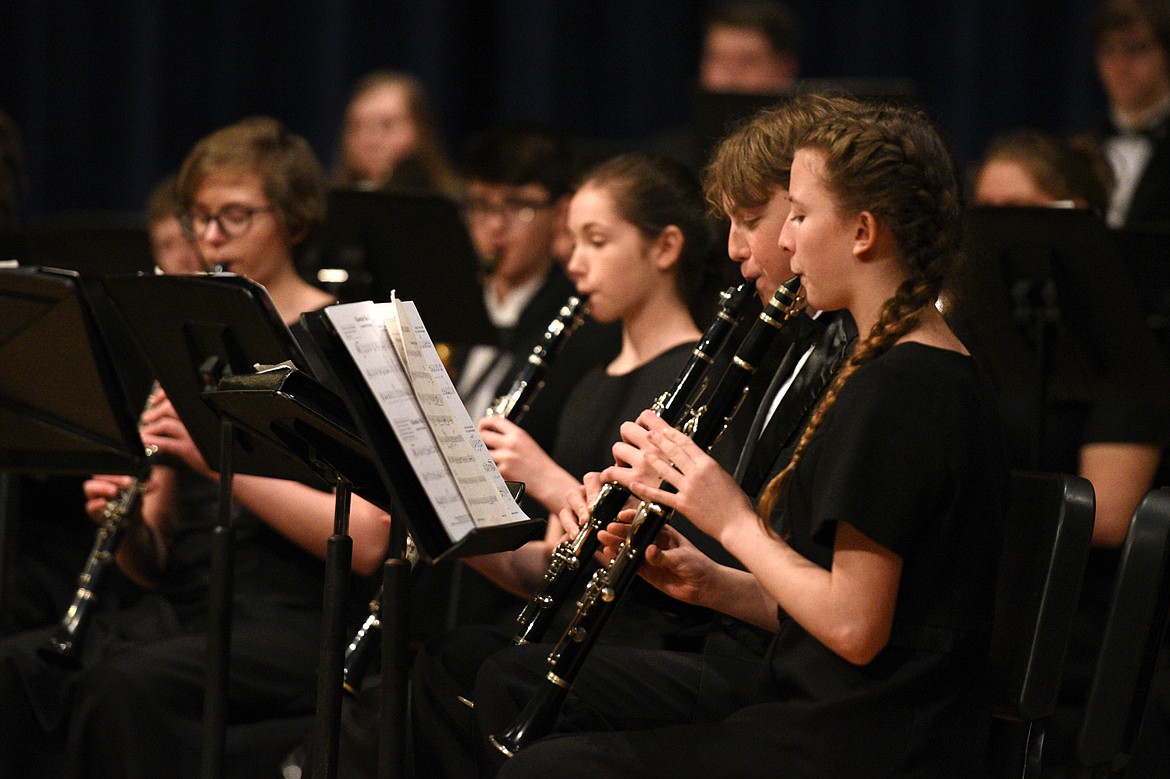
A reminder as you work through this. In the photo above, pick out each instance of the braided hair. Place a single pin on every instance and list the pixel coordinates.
(891, 162)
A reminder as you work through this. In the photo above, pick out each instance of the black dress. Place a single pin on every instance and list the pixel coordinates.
(910, 455)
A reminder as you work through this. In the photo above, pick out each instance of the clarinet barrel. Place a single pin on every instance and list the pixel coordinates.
(514, 404)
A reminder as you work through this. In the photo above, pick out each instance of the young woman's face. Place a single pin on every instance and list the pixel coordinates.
(379, 132)
(753, 241)
(820, 238)
(611, 260)
(256, 246)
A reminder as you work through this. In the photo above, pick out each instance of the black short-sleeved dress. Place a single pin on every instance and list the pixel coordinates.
(911, 456)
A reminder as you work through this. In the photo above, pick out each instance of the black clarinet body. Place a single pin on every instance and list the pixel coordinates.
(512, 405)
(567, 565)
(705, 425)
(64, 644)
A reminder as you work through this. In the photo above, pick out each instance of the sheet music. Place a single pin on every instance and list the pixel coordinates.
(476, 476)
(362, 328)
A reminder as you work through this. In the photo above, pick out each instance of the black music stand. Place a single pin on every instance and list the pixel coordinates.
(206, 336)
(195, 331)
(714, 114)
(90, 245)
(414, 244)
(292, 411)
(69, 398)
(413, 512)
(1044, 302)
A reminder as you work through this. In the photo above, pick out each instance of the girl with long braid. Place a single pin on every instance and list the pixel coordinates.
(873, 555)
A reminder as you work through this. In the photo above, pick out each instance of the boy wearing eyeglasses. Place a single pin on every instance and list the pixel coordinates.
(134, 708)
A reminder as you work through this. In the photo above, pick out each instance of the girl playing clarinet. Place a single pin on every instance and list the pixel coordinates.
(871, 557)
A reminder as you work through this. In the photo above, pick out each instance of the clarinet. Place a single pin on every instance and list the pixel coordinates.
(568, 560)
(64, 645)
(705, 424)
(512, 405)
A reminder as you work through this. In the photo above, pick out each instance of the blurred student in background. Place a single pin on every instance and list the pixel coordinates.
(1131, 42)
(750, 46)
(390, 140)
(170, 246)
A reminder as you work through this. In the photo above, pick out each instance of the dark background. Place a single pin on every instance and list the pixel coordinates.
(110, 94)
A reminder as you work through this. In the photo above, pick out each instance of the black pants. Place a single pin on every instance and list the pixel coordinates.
(135, 708)
(451, 739)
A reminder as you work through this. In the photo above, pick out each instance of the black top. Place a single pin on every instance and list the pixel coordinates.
(909, 455)
(592, 417)
(590, 425)
(268, 568)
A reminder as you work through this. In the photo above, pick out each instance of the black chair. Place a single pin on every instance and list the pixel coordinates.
(1046, 541)
(1134, 634)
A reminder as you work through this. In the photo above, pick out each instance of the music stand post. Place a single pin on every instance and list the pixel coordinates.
(338, 561)
(195, 331)
(414, 515)
(53, 326)
(219, 636)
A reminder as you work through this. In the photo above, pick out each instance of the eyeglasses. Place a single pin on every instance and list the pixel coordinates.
(233, 220)
(511, 210)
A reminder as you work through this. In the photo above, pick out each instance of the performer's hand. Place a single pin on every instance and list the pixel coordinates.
(163, 429)
(563, 526)
(628, 451)
(102, 488)
(705, 493)
(578, 501)
(614, 535)
(581, 497)
(514, 451)
(677, 567)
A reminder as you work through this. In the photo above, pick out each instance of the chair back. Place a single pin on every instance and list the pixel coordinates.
(1045, 546)
(1046, 537)
(1134, 633)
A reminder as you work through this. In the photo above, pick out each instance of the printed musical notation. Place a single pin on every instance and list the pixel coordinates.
(487, 499)
(391, 348)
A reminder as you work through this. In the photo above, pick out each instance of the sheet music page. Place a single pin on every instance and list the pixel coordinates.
(362, 329)
(476, 475)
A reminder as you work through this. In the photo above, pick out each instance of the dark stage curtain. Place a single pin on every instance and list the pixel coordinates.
(109, 95)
